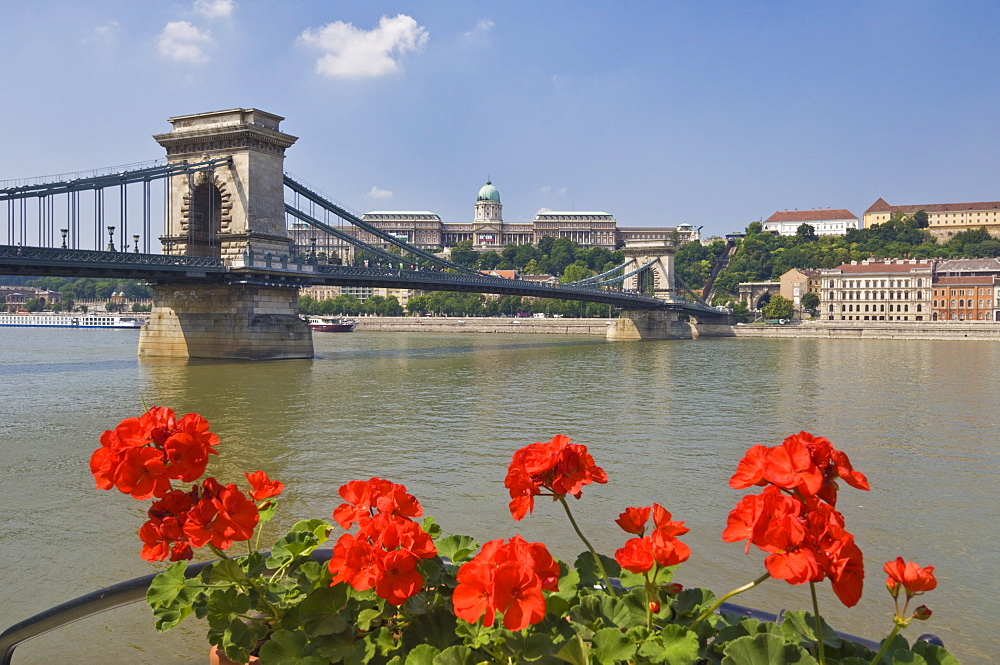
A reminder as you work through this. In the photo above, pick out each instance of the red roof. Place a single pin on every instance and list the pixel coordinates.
(882, 206)
(810, 215)
(506, 274)
(969, 279)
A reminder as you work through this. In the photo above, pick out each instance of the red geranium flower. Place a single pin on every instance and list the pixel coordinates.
(909, 575)
(636, 556)
(558, 466)
(506, 578)
(633, 520)
(263, 487)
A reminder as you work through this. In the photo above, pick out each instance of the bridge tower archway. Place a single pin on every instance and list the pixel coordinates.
(658, 281)
(231, 212)
(236, 208)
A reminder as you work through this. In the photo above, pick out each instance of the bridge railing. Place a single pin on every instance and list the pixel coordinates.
(92, 256)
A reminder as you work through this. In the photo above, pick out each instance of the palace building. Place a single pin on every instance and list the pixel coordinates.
(943, 219)
(488, 230)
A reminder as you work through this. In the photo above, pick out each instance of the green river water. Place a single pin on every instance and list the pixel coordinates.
(442, 415)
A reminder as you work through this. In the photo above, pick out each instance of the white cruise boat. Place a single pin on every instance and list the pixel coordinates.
(70, 321)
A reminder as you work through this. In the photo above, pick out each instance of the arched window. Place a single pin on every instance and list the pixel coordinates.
(919, 308)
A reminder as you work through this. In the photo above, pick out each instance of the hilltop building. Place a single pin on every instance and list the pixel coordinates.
(943, 219)
(488, 230)
(825, 222)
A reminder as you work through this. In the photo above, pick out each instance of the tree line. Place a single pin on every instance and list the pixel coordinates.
(761, 257)
(73, 290)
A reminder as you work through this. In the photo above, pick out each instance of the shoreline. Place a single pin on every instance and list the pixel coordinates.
(925, 330)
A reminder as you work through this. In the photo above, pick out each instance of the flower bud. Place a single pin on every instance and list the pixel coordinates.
(654, 606)
(675, 588)
(922, 613)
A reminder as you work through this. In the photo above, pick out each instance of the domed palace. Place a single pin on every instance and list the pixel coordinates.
(487, 230)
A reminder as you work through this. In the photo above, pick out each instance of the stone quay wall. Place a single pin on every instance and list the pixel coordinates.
(484, 325)
(953, 330)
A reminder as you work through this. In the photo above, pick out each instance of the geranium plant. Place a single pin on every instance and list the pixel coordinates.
(395, 590)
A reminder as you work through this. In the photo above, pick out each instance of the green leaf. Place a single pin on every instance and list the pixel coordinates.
(569, 578)
(575, 651)
(456, 655)
(226, 571)
(431, 528)
(320, 528)
(171, 596)
(693, 602)
(225, 606)
(287, 647)
(765, 650)
(320, 614)
(423, 654)
(436, 628)
(799, 625)
(457, 548)
(267, 513)
(293, 544)
(675, 645)
(590, 574)
(611, 645)
(906, 657)
(934, 654)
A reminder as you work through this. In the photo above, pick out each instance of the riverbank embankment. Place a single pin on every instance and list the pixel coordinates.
(930, 330)
(951, 330)
(446, 324)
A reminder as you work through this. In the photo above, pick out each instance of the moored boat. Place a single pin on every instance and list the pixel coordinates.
(332, 324)
(70, 321)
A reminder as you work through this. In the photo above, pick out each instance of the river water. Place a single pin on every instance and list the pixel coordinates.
(442, 415)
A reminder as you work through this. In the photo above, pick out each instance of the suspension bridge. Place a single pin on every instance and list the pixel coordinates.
(225, 238)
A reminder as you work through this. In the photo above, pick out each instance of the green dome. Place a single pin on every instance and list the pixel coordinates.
(488, 193)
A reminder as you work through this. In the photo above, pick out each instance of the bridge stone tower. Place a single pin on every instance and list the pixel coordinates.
(660, 282)
(230, 210)
(233, 212)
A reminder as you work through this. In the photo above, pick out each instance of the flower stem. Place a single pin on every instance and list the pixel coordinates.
(746, 587)
(597, 559)
(885, 644)
(819, 625)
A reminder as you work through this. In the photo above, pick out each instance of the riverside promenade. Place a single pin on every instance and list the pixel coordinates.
(930, 330)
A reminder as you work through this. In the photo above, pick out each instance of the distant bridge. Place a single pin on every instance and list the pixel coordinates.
(222, 222)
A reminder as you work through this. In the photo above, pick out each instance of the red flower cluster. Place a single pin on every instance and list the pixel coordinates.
(213, 514)
(142, 455)
(506, 578)
(910, 576)
(661, 547)
(388, 546)
(807, 464)
(794, 518)
(557, 466)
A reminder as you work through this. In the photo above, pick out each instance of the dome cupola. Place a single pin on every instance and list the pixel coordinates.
(488, 193)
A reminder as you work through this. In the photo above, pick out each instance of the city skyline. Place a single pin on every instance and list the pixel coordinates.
(659, 114)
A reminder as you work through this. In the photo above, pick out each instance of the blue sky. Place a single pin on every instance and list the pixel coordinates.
(661, 113)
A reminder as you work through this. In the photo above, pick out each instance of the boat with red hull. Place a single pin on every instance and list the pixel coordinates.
(332, 324)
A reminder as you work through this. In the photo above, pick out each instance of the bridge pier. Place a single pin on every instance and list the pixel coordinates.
(649, 324)
(241, 321)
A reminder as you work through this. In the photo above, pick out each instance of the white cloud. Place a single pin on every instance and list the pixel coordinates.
(215, 8)
(106, 33)
(350, 52)
(379, 194)
(545, 189)
(183, 42)
(482, 29)
(563, 191)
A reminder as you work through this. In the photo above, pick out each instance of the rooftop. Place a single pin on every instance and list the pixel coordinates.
(816, 215)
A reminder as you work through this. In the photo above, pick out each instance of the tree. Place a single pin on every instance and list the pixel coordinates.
(779, 307)
(574, 272)
(806, 232)
(810, 302)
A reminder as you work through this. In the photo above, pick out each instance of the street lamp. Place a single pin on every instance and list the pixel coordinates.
(64, 232)
(136, 239)
(111, 239)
